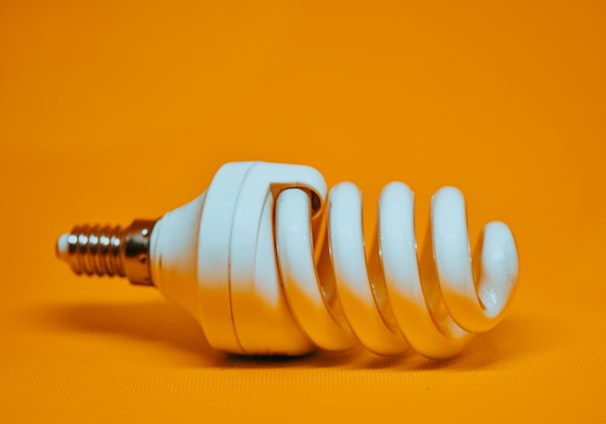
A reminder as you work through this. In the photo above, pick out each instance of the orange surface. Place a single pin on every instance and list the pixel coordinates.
(114, 110)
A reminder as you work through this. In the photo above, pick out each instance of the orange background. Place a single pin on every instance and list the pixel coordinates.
(113, 110)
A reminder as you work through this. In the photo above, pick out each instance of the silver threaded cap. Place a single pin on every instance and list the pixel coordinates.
(97, 250)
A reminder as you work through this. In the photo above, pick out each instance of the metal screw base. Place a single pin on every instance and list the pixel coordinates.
(96, 250)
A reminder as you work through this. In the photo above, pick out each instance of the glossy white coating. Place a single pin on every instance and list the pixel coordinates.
(410, 285)
(310, 296)
(266, 274)
(361, 306)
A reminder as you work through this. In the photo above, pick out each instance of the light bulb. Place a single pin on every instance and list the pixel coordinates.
(269, 266)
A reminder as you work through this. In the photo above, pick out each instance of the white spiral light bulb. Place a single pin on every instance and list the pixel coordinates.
(255, 262)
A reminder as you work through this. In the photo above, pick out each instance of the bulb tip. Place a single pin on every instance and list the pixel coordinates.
(62, 247)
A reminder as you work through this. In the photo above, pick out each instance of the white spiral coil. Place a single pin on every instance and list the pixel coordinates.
(391, 301)
(269, 264)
